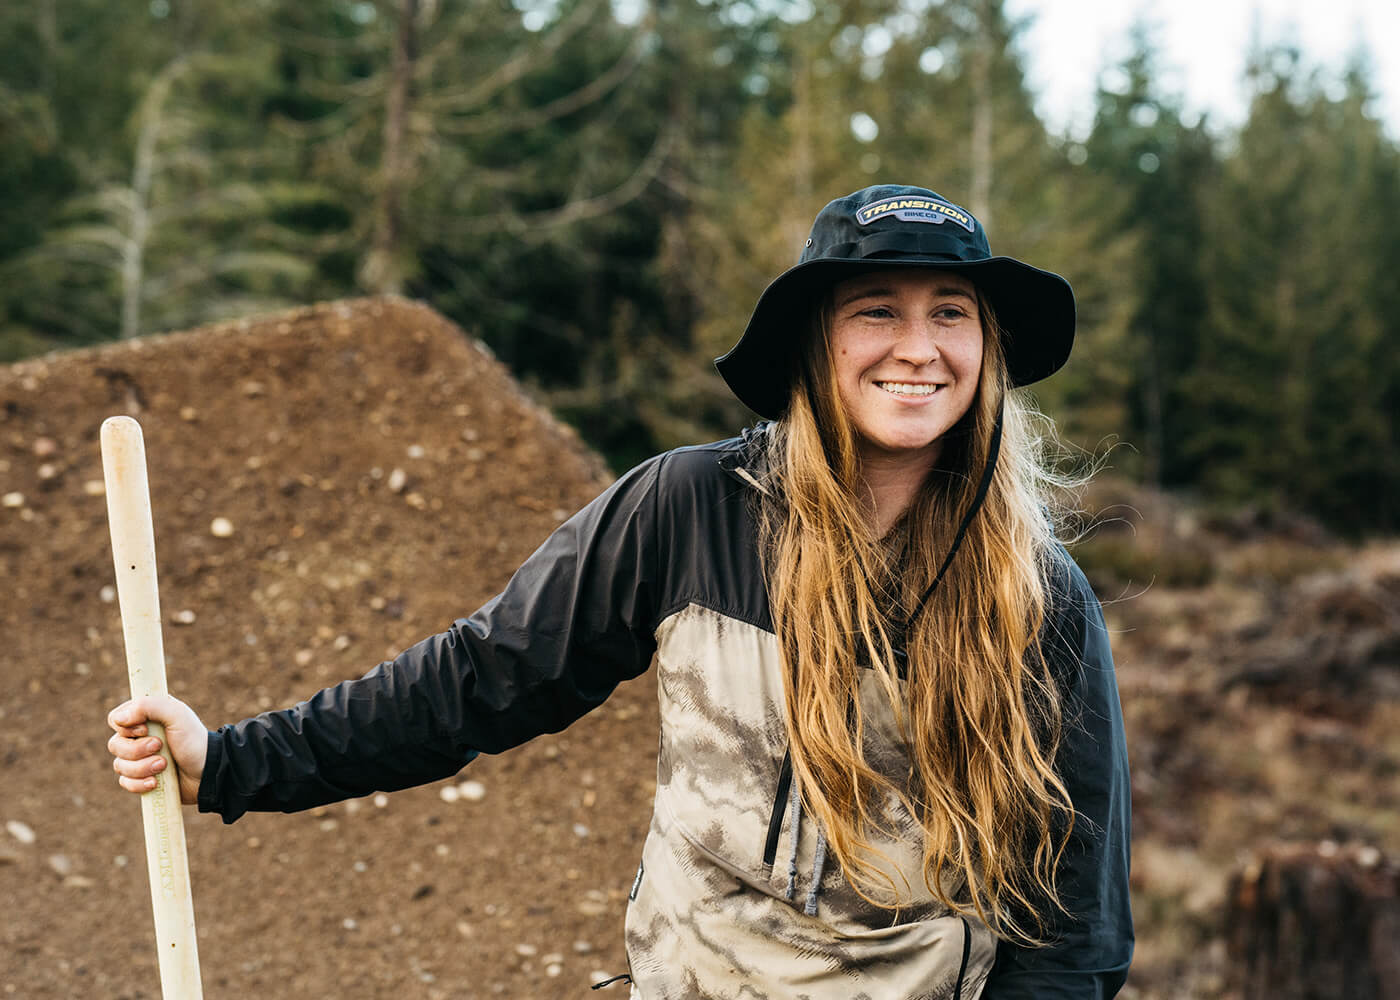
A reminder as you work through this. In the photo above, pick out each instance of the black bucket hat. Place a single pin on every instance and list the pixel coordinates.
(894, 225)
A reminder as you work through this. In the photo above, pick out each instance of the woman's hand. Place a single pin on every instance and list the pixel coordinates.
(137, 753)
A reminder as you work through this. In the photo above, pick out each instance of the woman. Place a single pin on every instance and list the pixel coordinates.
(892, 762)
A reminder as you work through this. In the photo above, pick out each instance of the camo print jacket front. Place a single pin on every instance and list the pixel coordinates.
(664, 568)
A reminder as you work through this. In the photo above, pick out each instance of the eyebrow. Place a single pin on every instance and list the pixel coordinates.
(881, 290)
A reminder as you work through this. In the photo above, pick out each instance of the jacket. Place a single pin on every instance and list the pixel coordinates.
(664, 567)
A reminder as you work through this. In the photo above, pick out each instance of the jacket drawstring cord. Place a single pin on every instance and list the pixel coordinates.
(818, 867)
(795, 809)
(818, 863)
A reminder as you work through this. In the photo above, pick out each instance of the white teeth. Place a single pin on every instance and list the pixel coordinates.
(908, 388)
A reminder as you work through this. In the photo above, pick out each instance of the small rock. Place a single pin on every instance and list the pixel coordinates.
(526, 950)
(95, 488)
(381, 800)
(221, 527)
(360, 867)
(553, 958)
(108, 594)
(397, 480)
(81, 669)
(582, 947)
(591, 909)
(327, 825)
(442, 850)
(349, 923)
(580, 830)
(121, 861)
(304, 657)
(416, 451)
(1368, 856)
(184, 617)
(341, 643)
(13, 499)
(188, 414)
(61, 864)
(44, 447)
(472, 791)
(449, 793)
(253, 389)
(20, 831)
(48, 471)
(78, 882)
(553, 969)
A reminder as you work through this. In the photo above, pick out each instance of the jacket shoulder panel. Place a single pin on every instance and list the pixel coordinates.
(706, 535)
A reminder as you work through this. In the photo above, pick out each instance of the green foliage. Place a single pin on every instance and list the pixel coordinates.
(603, 202)
(1295, 370)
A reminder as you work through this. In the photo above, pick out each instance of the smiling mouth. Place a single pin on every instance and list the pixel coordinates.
(909, 388)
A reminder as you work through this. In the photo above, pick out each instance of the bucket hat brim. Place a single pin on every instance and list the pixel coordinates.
(1034, 309)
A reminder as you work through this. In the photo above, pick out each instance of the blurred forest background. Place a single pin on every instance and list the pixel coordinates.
(600, 191)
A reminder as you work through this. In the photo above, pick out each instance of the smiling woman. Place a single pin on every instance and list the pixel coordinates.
(891, 755)
(906, 348)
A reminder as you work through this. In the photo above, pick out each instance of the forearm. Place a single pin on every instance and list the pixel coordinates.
(393, 728)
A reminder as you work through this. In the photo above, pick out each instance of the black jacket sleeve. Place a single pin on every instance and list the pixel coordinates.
(1090, 949)
(575, 620)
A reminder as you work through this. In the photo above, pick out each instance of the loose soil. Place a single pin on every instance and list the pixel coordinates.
(382, 475)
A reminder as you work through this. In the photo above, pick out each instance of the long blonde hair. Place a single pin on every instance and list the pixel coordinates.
(979, 711)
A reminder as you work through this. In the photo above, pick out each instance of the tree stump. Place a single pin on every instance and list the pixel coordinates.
(1316, 923)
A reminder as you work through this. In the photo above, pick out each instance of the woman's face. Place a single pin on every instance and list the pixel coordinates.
(907, 347)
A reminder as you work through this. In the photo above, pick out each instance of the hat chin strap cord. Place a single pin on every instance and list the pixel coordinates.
(901, 650)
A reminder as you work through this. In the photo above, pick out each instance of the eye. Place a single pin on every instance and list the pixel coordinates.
(950, 312)
(878, 312)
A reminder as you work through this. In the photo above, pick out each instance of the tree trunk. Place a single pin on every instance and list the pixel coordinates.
(1318, 923)
(983, 118)
(383, 270)
(138, 221)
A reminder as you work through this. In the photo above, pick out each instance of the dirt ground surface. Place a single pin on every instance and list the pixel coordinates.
(381, 475)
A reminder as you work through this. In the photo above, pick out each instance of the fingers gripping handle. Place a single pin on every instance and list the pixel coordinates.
(134, 557)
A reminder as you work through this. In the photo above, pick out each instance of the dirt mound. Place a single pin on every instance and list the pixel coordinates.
(381, 475)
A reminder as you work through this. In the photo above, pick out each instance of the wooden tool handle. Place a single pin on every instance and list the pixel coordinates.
(134, 556)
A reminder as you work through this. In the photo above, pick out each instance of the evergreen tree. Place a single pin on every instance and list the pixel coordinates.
(1153, 169)
(1293, 382)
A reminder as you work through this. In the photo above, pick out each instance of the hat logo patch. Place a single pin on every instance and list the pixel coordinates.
(915, 210)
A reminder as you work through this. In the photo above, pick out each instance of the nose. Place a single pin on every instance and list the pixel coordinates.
(917, 342)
